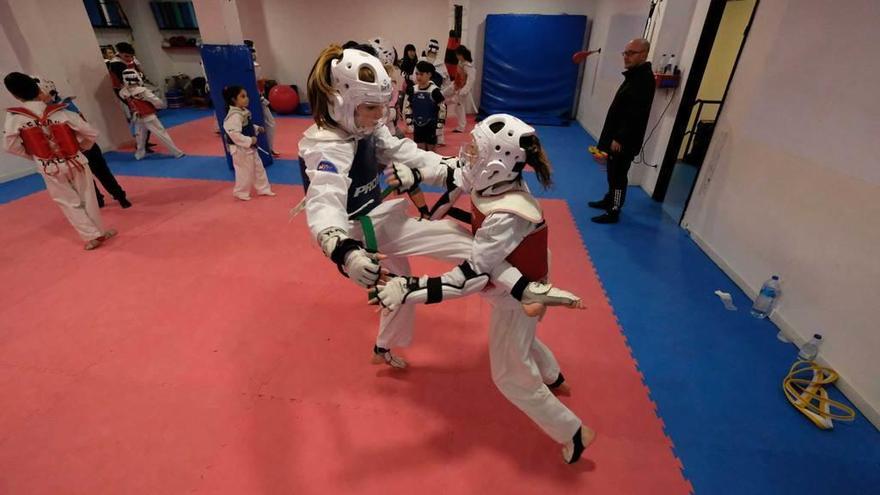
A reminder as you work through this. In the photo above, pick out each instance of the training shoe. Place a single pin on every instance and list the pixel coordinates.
(125, 203)
(599, 205)
(610, 217)
(382, 355)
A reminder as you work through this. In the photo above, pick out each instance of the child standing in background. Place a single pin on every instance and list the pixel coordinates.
(97, 164)
(54, 138)
(463, 84)
(440, 77)
(241, 135)
(143, 105)
(424, 109)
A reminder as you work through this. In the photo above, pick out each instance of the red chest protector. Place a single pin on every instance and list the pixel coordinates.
(140, 107)
(530, 257)
(45, 139)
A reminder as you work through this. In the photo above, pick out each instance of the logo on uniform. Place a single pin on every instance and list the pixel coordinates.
(325, 166)
(367, 188)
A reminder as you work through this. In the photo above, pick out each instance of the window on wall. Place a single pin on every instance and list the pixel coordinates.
(174, 15)
(106, 14)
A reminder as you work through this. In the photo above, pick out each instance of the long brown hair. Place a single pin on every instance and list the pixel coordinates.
(537, 159)
(535, 156)
(320, 85)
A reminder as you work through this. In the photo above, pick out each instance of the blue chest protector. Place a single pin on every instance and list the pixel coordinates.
(363, 193)
(424, 110)
(247, 129)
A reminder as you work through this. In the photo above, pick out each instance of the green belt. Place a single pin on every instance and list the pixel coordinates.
(370, 243)
(369, 233)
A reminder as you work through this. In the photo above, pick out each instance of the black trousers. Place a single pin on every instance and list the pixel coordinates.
(617, 168)
(99, 168)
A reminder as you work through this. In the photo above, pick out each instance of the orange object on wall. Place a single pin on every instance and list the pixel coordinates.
(451, 60)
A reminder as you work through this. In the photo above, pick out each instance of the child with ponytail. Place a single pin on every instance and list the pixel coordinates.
(508, 227)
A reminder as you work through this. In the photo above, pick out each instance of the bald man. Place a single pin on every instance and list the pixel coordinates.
(625, 127)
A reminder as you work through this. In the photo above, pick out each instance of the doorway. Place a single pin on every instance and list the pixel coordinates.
(718, 51)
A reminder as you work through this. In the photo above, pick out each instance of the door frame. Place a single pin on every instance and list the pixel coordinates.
(689, 95)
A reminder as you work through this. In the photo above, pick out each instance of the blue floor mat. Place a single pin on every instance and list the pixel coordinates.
(715, 375)
(171, 117)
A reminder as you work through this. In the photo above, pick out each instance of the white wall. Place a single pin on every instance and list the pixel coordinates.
(77, 69)
(291, 33)
(791, 182)
(289, 37)
(11, 166)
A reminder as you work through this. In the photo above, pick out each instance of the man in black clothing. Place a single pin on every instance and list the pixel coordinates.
(625, 127)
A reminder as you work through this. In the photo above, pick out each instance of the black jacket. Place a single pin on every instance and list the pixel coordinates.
(628, 114)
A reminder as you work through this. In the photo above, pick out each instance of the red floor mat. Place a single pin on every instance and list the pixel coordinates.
(210, 348)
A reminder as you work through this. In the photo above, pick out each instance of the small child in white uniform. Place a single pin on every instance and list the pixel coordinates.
(143, 105)
(508, 226)
(55, 138)
(241, 136)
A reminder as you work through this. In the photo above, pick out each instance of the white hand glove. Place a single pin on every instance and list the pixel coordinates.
(548, 295)
(392, 293)
(402, 177)
(363, 267)
(451, 162)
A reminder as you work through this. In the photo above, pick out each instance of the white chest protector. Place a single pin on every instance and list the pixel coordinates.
(519, 203)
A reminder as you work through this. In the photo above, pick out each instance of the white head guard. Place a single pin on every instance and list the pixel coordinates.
(499, 157)
(352, 91)
(384, 50)
(433, 46)
(131, 78)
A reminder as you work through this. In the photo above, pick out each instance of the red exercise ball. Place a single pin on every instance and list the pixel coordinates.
(283, 99)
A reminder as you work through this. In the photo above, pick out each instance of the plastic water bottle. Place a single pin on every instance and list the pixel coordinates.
(662, 65)
(667, 69)
(811, 349)
(764, 302)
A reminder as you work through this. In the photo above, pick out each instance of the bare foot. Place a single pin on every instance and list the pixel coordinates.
(562, 390)
(573, 450)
